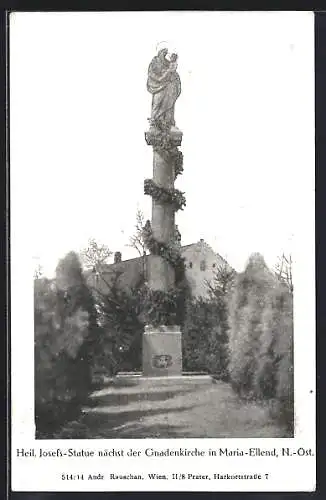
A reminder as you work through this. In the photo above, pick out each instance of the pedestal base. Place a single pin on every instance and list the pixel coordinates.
(162, 351)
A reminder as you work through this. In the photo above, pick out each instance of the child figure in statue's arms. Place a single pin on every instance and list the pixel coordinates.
(173, 62)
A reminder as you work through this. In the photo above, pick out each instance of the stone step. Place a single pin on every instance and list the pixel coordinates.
(170, 379)
(125, 389)
(141, 373)
(131, 387)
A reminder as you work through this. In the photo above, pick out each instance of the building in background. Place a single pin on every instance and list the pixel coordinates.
(201, 264)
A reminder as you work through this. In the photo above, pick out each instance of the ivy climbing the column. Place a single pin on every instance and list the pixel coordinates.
(165, 307)
(170, 196)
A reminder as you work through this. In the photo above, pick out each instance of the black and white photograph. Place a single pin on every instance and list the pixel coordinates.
(162, 191)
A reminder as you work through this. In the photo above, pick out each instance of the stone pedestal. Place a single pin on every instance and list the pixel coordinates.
(162, 351)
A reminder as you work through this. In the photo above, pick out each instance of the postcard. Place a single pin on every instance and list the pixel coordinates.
(162, 251)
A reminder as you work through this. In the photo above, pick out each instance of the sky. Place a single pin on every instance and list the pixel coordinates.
(79, 109)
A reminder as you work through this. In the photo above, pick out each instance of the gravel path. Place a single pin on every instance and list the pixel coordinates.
(175, 411)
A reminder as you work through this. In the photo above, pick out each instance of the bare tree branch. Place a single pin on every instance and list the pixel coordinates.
(95, 254)
(283, 270)
(136, 241)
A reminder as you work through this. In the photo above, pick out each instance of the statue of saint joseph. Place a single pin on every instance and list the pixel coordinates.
(164, 84)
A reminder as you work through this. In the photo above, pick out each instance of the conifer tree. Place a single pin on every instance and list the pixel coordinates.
(249, 302)
(65, 333)
(261, 339)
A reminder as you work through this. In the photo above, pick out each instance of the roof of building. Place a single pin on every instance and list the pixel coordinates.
(137, 260)
(128, 272)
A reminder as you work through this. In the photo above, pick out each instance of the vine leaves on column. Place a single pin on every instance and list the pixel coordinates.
(161, 307)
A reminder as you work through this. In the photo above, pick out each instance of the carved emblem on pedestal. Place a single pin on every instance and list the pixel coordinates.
(162, 361)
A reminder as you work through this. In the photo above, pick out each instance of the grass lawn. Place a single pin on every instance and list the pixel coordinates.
(173, 411)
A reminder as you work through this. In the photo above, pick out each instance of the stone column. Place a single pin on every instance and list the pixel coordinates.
(162, 349)
(161, 274)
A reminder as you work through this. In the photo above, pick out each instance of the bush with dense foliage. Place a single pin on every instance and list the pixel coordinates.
(261, 338)
(205, 329)
(120, 315)
(203, 340)
(284, 359)
(66, 338)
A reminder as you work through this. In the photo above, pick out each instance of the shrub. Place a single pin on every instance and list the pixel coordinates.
(284, 357)
(261, 338)
(65, 335)
(120, 313)
(59, 372)
(247, 307)
(204, 340)
(205, 329)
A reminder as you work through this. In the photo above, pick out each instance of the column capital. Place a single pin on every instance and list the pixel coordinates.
(155, 137)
